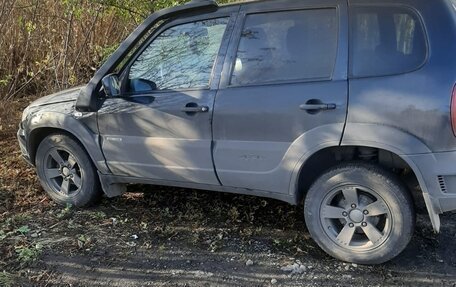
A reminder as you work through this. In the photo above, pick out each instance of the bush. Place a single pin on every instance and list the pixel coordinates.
(49, 45)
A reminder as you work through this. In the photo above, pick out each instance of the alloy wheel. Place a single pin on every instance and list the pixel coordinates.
(356, 218)
(63, 173)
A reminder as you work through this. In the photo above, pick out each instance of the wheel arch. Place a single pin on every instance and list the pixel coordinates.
(43, 125)
(321, 160)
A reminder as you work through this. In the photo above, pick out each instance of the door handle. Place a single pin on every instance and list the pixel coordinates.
(318, 107)
(193, 108)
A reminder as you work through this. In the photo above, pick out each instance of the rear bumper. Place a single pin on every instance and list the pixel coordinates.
(21, 137)
(438, 178)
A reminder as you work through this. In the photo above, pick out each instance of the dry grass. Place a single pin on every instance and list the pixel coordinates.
(48, 45)
(20, 197)
(17, 180)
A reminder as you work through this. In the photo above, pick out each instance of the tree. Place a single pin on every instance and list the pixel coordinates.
(48, 45)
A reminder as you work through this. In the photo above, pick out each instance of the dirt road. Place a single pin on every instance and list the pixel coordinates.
(186, 238)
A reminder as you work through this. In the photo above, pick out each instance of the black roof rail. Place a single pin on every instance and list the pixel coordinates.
(201, 1)
(87, 100)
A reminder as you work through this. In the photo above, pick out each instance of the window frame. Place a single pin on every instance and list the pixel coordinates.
(411, 9)
(339, 70)
(125, 71)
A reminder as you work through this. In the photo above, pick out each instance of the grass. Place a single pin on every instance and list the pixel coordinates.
(28, 254)
(7, 279)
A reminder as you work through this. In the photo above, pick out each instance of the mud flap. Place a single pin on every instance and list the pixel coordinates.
(110, 188)
(433, 215)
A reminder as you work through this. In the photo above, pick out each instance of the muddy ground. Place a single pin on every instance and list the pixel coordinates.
(157, 236)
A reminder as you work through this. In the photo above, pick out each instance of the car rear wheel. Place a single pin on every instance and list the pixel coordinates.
(66, 172)
(360, 213)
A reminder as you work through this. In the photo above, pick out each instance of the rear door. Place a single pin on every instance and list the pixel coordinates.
(283, 92)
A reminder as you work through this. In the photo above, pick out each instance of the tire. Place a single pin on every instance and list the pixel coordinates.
(360, 213)
(66, 172)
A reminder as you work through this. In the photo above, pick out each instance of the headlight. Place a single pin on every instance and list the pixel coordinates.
(25, 114)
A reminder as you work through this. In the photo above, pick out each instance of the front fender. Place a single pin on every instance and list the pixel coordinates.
(76, 126)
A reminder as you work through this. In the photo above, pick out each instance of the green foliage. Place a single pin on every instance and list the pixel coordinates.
(5, 81)
(160, 4)
(105, 52)
(3, 235)
(7, 279)
(28, 255)
(99, 215)
(23, 230)
(84, 242)
(65, 212)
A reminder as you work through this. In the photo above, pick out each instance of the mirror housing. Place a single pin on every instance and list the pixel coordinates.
(111, 85)
(142, 85)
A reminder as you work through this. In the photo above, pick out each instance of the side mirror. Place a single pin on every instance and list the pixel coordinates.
(111, 85)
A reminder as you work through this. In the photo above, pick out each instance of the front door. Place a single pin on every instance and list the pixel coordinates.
(160, 127)
(284, 93)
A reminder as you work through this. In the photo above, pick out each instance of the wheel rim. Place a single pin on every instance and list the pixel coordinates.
(356, 218)
(63, 173)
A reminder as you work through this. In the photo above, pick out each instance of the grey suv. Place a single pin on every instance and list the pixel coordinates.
(344, 106)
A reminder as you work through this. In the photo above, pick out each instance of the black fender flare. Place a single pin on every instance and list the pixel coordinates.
(386, 138)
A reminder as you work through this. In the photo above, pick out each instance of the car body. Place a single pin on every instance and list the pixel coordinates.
(238, 113)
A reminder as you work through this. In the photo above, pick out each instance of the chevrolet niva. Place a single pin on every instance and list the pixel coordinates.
(343, 106)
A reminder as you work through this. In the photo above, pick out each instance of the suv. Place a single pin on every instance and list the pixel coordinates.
(344, 106)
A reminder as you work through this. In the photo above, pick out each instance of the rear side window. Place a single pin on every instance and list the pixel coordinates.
(286, 46)
(385, 41)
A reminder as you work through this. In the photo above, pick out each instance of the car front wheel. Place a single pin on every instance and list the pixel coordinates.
(66, 171)
(360, 213)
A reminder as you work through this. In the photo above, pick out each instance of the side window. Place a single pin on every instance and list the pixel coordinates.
(385, 41)
(181, 57)
(287, 46)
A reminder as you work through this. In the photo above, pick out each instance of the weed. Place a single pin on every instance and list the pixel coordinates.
(83, 241)
(28, 255)
(23, 230)
(233, 213)
(5, 81)
(18, 219)
(99, 215)
(3, 235)
(65, 212)
(7, 279)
